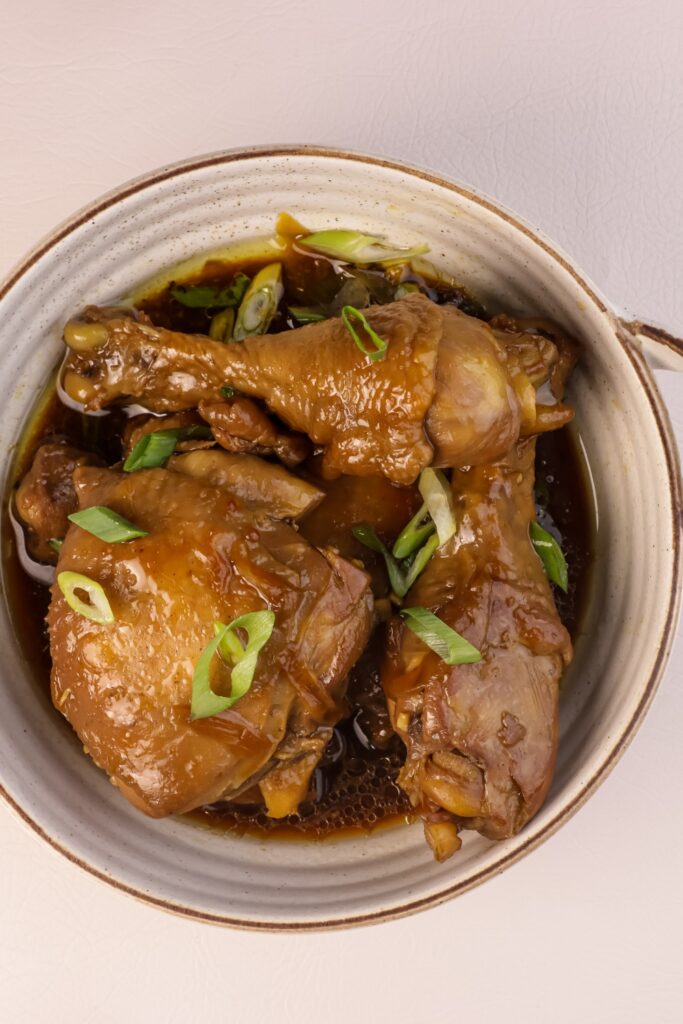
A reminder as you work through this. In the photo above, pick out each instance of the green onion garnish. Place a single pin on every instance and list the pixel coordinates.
(155, 448)
(220, 328)
(413, 534)
(401, 577)
(436, 492)
(200, 296)
(355, 247)
(228, 392)
(420, 560)
(550, 553)
(260, 303)
(106, 525)
(440, 638)
(195, 296)
(97, 609)
(305, 315)
(235, 291)
(406, 288)
(56, 544)
(350, 312)
(243, 657)
(367, 536)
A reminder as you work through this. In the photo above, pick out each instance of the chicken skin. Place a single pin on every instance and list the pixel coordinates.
(481, 738)
(449, 391)
(126, 686)
(45, 497)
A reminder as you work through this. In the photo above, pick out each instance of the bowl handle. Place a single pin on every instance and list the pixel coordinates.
(659, 348)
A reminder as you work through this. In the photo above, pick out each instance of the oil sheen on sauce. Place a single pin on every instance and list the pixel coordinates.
(354, 788)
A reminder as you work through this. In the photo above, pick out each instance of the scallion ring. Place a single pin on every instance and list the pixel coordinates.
(350, 313)
(106, 525)
(414, 534)
(243, 657)
(355, 247)
(440, 638)
(221, 326)
(367, 536)
(436, 493)
(551, 554)
(260, 302)
(406, 288)
(155, 448)
(306, 314)
(201, 296)
(420, 560)
(98, 609)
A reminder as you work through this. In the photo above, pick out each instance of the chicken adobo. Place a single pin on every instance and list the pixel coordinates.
(306, 553)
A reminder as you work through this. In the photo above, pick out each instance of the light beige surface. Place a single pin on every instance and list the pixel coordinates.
(593, 915)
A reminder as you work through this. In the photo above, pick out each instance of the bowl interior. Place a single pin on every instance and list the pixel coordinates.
(160, 221)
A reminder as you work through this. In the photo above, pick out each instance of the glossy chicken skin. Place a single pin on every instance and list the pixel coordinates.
(262, 486)
(239, 425)
(447, 392)
(481, 738)
(126, 687)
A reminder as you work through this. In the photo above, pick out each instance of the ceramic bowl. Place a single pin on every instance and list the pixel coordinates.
(622, 426)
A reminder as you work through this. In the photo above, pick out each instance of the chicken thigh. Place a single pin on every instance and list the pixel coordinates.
(126, 686)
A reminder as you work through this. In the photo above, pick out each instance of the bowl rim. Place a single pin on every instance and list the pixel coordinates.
(669, 448)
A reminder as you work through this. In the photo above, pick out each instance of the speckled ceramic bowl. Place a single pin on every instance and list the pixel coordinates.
(627, 631)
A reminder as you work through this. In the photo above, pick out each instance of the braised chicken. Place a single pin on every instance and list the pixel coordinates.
(125, 686)
(448, 392)
(481, 738)
(262, 486)
(46, 496)
(271, 606)
(239, 425)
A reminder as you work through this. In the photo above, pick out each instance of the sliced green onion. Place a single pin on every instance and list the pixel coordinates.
(155, 448)
(98, 609)
(420, 560)
(201, 296)
(220, 328)
(228, 392)
(414, 534)
(231, 647)
(306, 315)
(350, 312)
(235, 291)
(367, 536)
(406, 288)
(436, 493)
(550, 553)
(260, 302)
(354, 247)
(56, 544)
(105, 524)
(424, 268)
(195, 296)
(258, 626)
(440, 638)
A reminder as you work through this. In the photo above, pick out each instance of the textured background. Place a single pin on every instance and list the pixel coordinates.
(571, 113)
